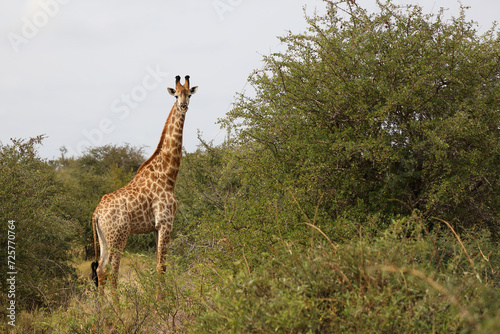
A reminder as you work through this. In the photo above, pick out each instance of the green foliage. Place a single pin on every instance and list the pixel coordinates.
(104, 159)
(373, 107)
(395, 283)
(32, 197)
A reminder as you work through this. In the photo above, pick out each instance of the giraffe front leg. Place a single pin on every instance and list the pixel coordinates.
(162, 244)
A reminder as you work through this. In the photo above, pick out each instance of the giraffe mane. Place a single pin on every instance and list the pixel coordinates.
(160, 145)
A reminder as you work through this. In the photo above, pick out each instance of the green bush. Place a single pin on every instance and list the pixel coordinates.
(32, 197)
(398, 282)
(364, 108)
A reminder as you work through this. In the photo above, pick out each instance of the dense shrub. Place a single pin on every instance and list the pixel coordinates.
(31, 196)
(364, 108)
(405, 281)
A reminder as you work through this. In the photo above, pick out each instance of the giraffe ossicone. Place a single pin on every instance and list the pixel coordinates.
(146, 204)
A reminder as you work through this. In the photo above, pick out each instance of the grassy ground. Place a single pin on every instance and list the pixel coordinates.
(402, 280)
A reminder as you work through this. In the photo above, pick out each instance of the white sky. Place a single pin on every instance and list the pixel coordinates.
(96, 72)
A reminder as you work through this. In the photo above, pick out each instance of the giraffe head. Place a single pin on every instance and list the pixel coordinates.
(182, 93)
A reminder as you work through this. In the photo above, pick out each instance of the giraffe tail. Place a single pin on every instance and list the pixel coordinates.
(95, 264)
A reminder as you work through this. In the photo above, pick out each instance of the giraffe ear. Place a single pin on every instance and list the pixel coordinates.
(171, 91)
(193, 90)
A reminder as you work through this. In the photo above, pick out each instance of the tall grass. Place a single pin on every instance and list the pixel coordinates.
(404, 279)
(137, 310)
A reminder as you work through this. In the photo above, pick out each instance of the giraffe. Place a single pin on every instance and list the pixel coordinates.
(147, 203)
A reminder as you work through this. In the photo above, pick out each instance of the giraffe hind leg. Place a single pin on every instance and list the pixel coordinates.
(103, 261)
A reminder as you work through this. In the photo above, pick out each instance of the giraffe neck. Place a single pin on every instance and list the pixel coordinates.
(166, 159)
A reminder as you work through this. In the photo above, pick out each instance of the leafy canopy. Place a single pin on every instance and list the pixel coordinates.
(366, 111)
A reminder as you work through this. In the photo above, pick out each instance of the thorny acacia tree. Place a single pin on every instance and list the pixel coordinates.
(367, 108)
